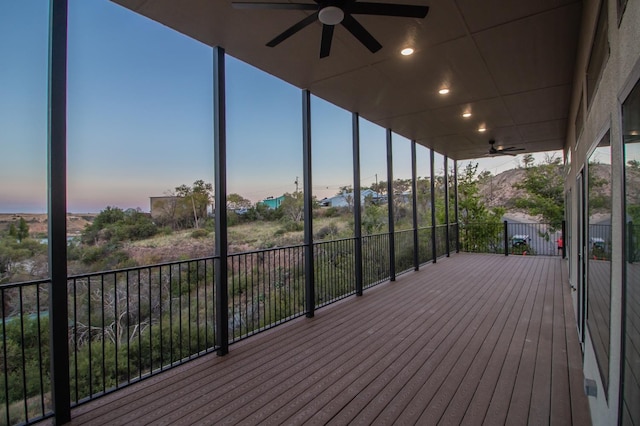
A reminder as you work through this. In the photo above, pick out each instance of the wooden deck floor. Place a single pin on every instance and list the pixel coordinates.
(473, 339)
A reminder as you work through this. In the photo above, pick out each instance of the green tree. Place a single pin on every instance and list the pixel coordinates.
(13, 231)
(379, 187)
(374, 219)
(23, 230)
(423, 187)
(528, 160)
(114, 224)
(197, 197)
(237, 201)
(292, 207)
(544, 186)
(347, 193)
(480, 227)
(13, 257)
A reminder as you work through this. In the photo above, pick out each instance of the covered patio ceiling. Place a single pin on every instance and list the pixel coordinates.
(510, 63)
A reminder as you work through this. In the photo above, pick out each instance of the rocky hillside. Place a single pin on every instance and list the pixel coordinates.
(500, 190)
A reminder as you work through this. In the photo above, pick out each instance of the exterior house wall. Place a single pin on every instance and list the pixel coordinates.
(621, 71)
(346, 198)
(273, 203)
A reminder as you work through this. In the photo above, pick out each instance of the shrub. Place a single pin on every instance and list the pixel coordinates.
(331, 230)
(199, 233)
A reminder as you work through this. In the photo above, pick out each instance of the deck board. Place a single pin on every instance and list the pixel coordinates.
(473, 339)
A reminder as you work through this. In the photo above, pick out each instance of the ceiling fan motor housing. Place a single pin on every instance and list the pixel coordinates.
(331, 15)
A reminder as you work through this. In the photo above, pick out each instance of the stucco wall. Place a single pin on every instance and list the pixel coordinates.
(621, 71)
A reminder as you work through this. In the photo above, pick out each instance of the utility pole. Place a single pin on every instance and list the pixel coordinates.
(296, 182)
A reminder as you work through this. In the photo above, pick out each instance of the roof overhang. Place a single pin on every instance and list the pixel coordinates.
(510, 63)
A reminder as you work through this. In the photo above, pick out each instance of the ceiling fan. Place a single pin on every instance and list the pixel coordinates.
(502, 151)
(333, 12)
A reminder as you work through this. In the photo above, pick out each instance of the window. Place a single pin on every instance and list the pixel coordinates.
(599, 53)
(631, 134)
(599, 252)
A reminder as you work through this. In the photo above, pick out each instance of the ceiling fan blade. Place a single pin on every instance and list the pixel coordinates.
(292, 30)
(289, 6)
(361, 33)
(386, 9)
(512, 148)
(325, 45)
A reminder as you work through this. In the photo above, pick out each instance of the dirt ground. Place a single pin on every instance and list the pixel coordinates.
(38, 223)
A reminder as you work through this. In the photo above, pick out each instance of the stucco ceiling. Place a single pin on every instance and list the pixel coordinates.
(510, 62)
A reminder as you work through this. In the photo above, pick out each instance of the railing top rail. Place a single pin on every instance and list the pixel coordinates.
(138, 268)
(382, 234)
(243, 253)
(335, 241)
(399, 231)
(6, 286)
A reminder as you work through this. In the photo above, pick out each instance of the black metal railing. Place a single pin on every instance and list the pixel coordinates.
(25, 389)
(482, 237)
(453, 229)
(527, 239)
(129, 324)
(266, 288)
(404, 251)
(441, 240)
(334, 274)
(425, 249)
(533, 239)
(376, 266)
(600, 241)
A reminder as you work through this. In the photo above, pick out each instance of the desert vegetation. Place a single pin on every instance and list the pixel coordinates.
(141, 286)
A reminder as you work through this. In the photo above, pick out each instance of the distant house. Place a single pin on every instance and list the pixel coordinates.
(273, 203)
(346, 198)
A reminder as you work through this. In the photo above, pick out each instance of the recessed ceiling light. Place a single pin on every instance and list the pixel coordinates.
(406, 51)
(443, 91)
(466, 114)
(482, 129)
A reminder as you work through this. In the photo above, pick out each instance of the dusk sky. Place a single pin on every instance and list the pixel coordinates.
(140, 117)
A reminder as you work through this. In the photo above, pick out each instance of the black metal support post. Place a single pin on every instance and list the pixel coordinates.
(357, 202)
(433, 206)
(506, 238)
(455, 202)
(57, 208)
(310, 293)
(220, 158)
(392, 231)
(414, 207)
(446, 203)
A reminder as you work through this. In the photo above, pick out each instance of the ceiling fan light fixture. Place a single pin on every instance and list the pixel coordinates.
(331, 15)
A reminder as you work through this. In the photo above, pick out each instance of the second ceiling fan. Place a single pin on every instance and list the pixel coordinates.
(502, 151)
(332, 13)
